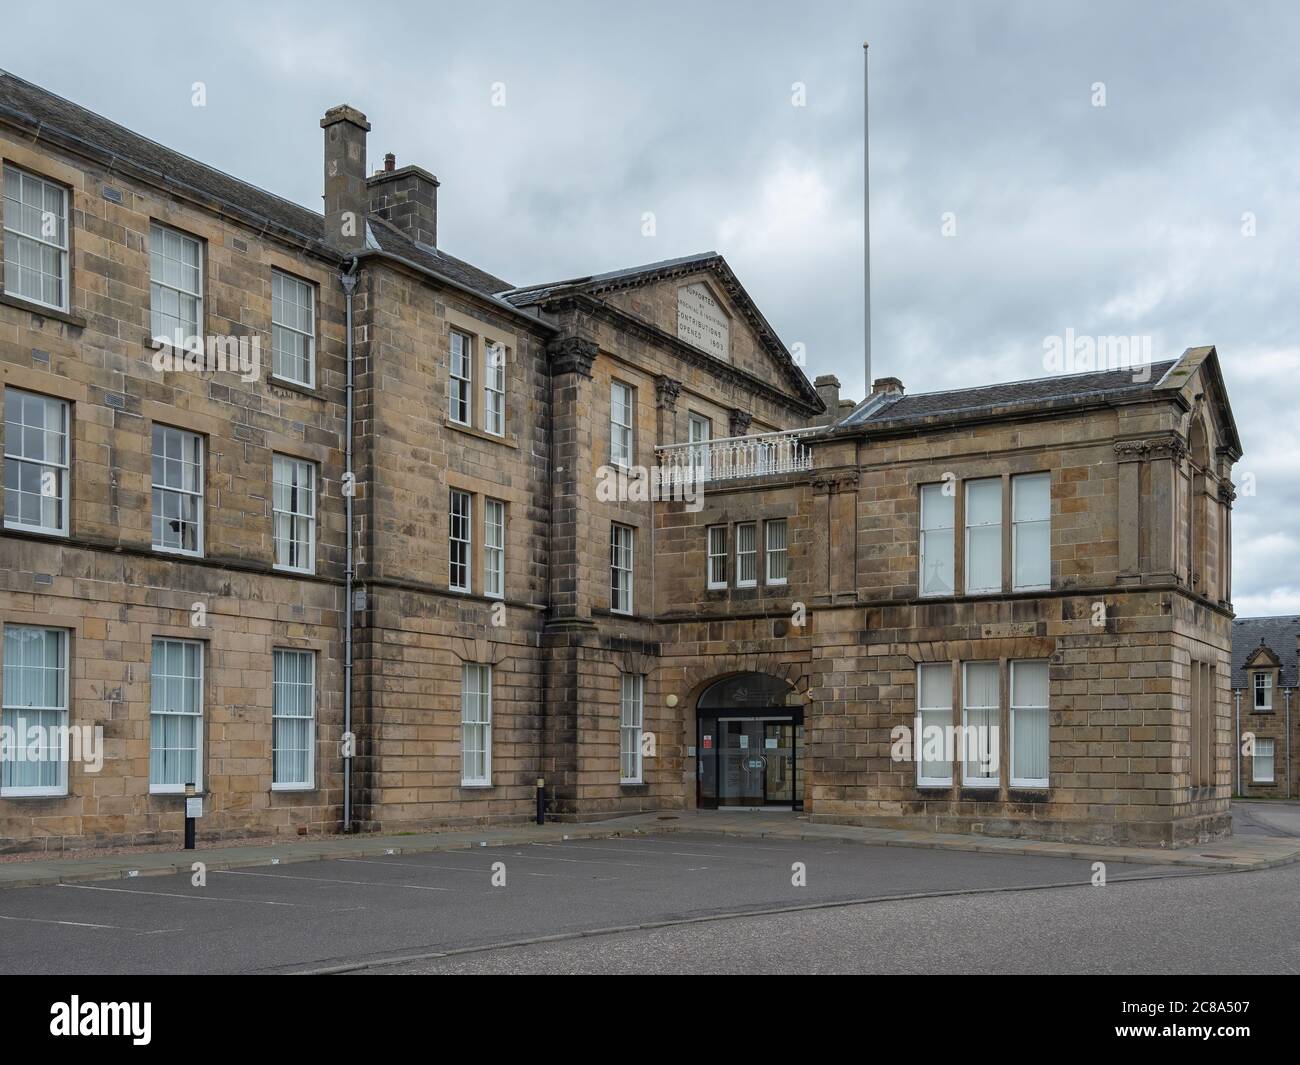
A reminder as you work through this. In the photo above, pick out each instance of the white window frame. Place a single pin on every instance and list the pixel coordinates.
(494, 549)
(186, 438)
(622, 566)
(1265, 689)
(743, 557)
(929, 491)
(1270, 761)
(1016, 524)
(61, 470)
(968, 768)
(304, 314)
(309, 783)
(16, 238)
(922, 712)
(1018, 781)
(631, 723)
(179, 788)
(494, 390)
(991, 589)
(462, 545)
(460, 386)
(280, 466)
(621, 434)
(61, 710)
(699, 434)
(159, 232)
(476, 720)
(716, 560)
(770, 552)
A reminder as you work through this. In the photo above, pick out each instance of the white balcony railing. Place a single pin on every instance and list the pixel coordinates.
(732, 458)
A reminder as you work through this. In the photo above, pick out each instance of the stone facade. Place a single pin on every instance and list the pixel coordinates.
(1134, 623)
(1266, 703)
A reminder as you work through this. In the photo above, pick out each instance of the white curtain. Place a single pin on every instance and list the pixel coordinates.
(1030, 724)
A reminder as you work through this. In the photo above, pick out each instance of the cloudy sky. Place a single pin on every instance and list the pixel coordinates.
(1123, 219)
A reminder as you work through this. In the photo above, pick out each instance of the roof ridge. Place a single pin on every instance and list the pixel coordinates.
(155, 143)
(1045, 377)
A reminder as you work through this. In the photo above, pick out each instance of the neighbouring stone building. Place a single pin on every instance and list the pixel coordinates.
(1266, 705)
(387, 577)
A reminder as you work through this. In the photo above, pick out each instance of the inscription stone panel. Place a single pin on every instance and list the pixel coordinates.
(701, 322)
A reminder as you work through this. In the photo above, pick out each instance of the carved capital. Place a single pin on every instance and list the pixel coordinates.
(668, 389)
(830, 483)
(1131, 450)
(1167, 447)
(571, 355)
(1226, 493)
(740, 420)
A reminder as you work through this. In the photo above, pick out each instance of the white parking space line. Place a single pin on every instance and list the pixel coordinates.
(682, 854)
(69, 924)
(449, 868)
(328, 880)
(196, 897)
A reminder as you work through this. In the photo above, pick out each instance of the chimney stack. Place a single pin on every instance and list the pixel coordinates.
(407, 198)
(887, 386)
(828, 391)
(345, 178)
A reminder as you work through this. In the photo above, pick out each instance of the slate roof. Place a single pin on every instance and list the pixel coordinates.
(1279, 636)
(395, 242)
(58, 119)
(1061, 390)
(30, 105)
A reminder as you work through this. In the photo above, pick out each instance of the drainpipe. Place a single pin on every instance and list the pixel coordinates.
(1237, 695)
(349, 283)
(1288, 741)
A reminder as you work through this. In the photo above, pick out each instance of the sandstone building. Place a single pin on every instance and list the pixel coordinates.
(1266, 706)
(370, 544)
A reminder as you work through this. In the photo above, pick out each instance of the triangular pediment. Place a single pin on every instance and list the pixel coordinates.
(1199, 378)
(1262, 658)
(697, 303)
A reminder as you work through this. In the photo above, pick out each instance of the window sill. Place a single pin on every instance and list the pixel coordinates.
(466, 785)
(302, 572)
(294, 386)
(43, 311)
(178, 791)
(25, 793)
(176, 552)
(278, 789)
(31, 530)
(479, 434)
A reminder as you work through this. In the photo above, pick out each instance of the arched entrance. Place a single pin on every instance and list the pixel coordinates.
(749, 744)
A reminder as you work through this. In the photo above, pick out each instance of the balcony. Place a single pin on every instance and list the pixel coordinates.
(736, 457)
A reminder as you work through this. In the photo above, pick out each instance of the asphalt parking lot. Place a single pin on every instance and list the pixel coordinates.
(351, 911)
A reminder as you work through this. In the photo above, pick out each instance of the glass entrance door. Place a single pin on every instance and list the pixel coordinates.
(778, 747)
(756, 762)
(750, 761)
(743, 771)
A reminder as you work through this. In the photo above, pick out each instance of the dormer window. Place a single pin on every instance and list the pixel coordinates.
(1263, 691)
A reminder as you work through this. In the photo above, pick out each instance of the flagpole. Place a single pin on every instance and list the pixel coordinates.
(866, 231)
